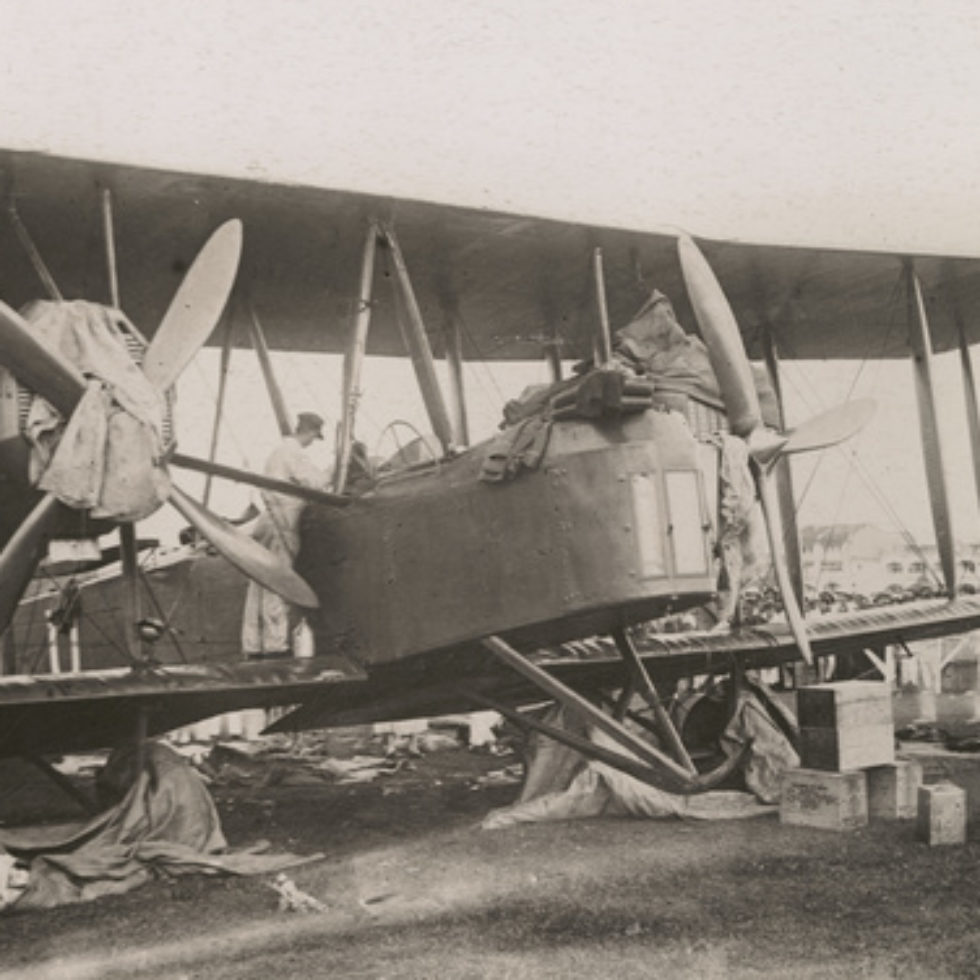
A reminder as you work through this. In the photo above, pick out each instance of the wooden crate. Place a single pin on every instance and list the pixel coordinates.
(846, 725)
(942, 814)
(829, 800)
(893, 791)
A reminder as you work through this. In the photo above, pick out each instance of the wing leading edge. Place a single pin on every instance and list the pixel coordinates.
(64, 713)
(669, 656)
(42, 714)
(509, 281)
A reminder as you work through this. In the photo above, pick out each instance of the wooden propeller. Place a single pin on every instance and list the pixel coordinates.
(196, 307)
(730, 363)
(187, 324)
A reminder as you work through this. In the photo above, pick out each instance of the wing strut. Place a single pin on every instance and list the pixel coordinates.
(602, 343)
(265, 363)
(354, 360)
(40, 267)
(784, 475)
(132, 603)
(417, 342)
(453, 339)
(970, 394)
(932, 450)
(219, 404)
(109, 235)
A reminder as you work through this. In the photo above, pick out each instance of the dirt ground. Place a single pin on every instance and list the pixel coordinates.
(414, 889)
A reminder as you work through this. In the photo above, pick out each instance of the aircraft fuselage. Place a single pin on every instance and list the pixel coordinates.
(612, 527)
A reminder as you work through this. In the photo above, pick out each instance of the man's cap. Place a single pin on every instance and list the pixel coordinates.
(310, 422)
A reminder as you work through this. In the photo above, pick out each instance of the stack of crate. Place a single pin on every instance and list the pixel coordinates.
(847, 755)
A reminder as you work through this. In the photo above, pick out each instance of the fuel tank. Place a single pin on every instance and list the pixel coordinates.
(611, 527)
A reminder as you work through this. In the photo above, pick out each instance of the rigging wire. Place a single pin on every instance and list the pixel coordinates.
(209, 388)
(89, 618)
(31, 622)
(482, 361)
(891, 304)
(856, 465)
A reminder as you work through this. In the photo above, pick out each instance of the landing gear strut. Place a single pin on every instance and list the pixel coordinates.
(674, 773)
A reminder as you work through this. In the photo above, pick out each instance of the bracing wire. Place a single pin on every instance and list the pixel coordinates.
(855, 464)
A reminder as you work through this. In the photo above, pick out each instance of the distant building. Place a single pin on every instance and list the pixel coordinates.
(867, 560)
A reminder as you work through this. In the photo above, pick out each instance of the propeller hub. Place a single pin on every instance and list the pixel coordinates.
(765, 445)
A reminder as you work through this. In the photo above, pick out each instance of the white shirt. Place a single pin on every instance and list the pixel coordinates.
(288, 461)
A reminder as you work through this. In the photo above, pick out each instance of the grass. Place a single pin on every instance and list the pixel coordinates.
(415, 891)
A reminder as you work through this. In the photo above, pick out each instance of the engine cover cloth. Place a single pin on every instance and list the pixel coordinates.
(104, 459)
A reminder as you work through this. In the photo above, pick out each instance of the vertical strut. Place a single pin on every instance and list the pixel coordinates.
(131, 584)
(271, 384)
(602, 352)
(354, 360)
(643, 683)
(553, 356)
(457, 391)
(621, 707)
(784, 477)
(932, 452)
(109, 235)
(220, 401)
(417, 343)
(970, 394)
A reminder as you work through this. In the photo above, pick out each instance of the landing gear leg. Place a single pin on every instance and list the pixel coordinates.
(634, 755)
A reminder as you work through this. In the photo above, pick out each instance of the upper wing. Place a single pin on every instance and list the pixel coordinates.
(510, 281)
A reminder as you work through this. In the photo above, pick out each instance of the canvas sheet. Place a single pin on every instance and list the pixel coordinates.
(102, 458)
(165, 824)
(656, 345)
(562, 785)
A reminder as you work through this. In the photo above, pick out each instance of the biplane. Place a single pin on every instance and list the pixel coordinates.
(456, 582)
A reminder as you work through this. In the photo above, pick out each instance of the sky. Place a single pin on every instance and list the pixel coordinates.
(834, 123)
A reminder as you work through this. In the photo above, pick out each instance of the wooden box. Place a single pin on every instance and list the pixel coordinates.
(829, 800)
(942, 814)
(893, 791)
(846, 725)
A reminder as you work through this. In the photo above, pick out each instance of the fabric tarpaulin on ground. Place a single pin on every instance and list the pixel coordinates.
(166, 823)
(562, 785)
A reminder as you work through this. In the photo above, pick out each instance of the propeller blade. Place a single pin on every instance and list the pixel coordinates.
(830, 427)
(21, 554)
(196, 307)
(770, 513)
(258, 480)
(246, 554)
(722, 338)
(35, 365)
